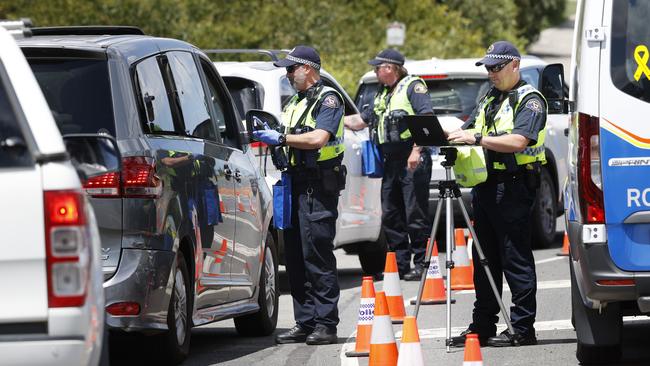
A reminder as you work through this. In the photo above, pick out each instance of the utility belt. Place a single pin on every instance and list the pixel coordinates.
(529, 174)
(332, 178)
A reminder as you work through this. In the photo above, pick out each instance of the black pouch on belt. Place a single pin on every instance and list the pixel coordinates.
(333, 179)
(533, 175)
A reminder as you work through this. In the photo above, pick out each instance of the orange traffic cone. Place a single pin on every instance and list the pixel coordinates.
(410, 352)
(565, 246)
(383, 349)
(461, 274)
(472, 351)
(434, 286)
(393, 290)
(364, 322)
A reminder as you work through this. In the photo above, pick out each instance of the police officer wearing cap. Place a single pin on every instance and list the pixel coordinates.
(407, 167)
(509, 123)
(313, 122)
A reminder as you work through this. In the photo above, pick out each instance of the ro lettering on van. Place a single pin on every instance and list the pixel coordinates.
(638, 198)
(641, 57)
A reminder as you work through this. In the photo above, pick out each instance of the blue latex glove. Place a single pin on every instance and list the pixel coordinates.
(269, 137)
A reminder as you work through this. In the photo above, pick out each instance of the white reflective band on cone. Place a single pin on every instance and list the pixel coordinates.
(382, 330)
(410, 354)
(391, 284)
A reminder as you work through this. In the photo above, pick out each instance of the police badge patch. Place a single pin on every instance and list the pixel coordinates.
(420, 88)
(330, 101)
(534, 105)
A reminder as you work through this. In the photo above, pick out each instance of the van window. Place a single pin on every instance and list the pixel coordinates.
(456, 97)
(630, 60)
(224, 117)
(531, 76)
(10, 157)
(246, 94)
(78, 93)
(153, 97)
(192, 99)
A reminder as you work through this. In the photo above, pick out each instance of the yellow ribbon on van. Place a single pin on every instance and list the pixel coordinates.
(641, 57)
(470, 168)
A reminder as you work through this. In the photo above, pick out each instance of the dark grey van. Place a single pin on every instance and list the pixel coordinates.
(185, 225)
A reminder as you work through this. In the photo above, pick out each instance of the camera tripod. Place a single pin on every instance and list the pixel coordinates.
(449, 190)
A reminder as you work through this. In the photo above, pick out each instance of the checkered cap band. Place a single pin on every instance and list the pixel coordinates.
(389, 60)
(506, 57)
(303, 61)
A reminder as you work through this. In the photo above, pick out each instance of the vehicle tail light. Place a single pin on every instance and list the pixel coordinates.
(68, 252)
(589, 173)
(615, 282)
(105, 185)
(434, 76)
(123, 308)
(139, 177)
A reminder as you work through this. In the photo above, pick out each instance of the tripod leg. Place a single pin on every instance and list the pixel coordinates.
(484, 263)
(451, 244)
(427, 259)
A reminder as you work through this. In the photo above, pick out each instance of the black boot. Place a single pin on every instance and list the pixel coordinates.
(293, 335)
(459, 340)
(322, 335)
(506, 339)
(415, 274)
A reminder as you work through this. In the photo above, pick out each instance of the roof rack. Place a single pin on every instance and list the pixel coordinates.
(93, 30)
(273, 54)
(18, 28)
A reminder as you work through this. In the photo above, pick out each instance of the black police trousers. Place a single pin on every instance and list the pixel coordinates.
(405, 206)
(502, 212)
(310, 261)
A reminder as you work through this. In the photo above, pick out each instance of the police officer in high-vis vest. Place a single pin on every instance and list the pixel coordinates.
(509, 124)
(407, 167)
(313, 139)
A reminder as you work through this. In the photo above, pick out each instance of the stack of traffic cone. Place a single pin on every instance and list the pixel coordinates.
(461, 274)
(383, 349)
(472, 351)
(393, 290)
(434, 286)
(366, 316)
(565, 246)
(410, 352)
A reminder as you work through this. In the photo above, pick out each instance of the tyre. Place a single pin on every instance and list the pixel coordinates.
(544, 212)
(263, 322)
(372, 255)
(176, 341)
(598, 332)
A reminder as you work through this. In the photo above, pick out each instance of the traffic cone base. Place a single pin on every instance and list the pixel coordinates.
(410, 351)
(365, 319)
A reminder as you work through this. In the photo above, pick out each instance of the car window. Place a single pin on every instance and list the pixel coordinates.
(531, 76)
(192, 99)
(78, 93)
(456, 97)
(286, 90)
(153, 97)
(224, 117)
(246, 94)
(9, 129)
(630, 42)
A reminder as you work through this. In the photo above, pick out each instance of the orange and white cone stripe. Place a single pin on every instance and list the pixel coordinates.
(462, 273)
(393, 290)
(383, 349)
(472, 356)
(410, 351)
(365, 319)
(434, 286)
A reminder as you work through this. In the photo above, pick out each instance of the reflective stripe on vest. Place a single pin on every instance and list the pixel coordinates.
(295, 109)
(504, 122)
(398, 101)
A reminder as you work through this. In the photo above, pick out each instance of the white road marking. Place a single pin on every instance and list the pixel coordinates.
(547, 260)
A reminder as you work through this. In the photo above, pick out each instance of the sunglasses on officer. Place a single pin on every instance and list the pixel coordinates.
(382, 66)
(498, 67)
(292, 68)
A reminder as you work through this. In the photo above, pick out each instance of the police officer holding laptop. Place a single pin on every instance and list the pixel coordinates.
(509, 123)
(313, 139)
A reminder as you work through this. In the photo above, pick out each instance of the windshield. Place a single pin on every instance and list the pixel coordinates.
(78, 93)
(630, 48)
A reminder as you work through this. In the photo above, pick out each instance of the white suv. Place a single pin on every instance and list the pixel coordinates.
(455, 87)
(52, 307)
(260, 85)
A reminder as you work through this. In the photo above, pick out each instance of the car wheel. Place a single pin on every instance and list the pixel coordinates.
(544, 217)
(264, 322)
(176, 340)
(372, 255)
(598, 332)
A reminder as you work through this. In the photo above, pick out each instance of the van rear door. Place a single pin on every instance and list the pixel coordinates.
(625, 133)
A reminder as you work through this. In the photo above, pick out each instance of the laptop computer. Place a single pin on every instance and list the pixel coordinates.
(427, 131)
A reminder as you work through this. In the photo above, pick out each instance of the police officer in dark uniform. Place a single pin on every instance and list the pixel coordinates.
(407, 167)
(509, 123)
(313, 122)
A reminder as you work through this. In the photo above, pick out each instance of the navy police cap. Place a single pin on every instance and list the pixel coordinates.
(304, 55)
(499, 52)
(388, 55)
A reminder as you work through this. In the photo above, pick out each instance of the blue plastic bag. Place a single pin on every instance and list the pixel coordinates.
(282, 202)
(372, 162)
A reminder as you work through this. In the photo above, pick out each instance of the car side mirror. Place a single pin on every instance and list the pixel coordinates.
(93, 154)
(258, 120)
(551, 85)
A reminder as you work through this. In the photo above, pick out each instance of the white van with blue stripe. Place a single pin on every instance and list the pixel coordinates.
(607, 196)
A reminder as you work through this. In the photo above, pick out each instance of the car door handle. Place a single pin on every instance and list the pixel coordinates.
(237, 175)
(227, 173)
